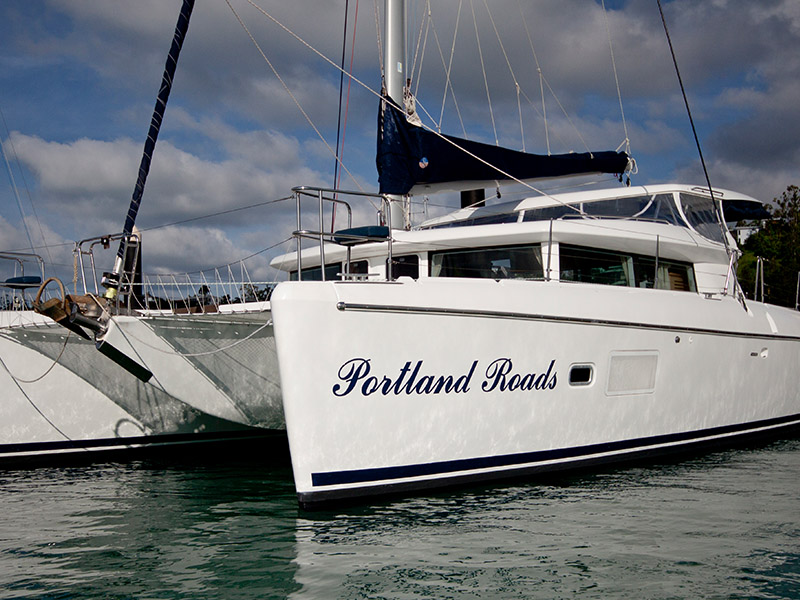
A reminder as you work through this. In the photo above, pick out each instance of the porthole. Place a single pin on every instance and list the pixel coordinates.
(581, 374)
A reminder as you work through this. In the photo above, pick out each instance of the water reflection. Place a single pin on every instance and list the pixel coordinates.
(147, 530)
(724, 525)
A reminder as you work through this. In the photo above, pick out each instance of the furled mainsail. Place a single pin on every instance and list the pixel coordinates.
(411, 158)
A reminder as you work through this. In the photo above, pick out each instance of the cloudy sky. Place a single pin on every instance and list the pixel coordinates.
(78, 80)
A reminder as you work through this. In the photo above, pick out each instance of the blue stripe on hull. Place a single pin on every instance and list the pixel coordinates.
(15, 452)
(451, 467)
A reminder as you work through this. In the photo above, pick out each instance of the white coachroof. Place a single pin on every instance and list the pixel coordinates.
(582, 197)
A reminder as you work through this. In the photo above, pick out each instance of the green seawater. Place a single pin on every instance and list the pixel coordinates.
(722, 525)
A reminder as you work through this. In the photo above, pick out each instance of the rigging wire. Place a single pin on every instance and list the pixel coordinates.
(341, 89)
(450, 70)
(510, 70)
(248, 257)
(716, 203)
(50, 368)
(414, 69)
(544, 82)
(541, 77)
(349, 83)
(377, 94)
(27, 188)
(380, 44)
(181, 222)
(627, 141)
(340, 151)
(424, 46)
(483, 69)
(283, 83)
(16, 193)
(448, 66)
(215, 214)
(32, 403)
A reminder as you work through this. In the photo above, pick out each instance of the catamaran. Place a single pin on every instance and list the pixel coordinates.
(554, 332)
(164, 387)
(62, 398)
(550, 333)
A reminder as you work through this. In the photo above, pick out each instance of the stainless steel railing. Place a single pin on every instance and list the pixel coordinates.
(330, 199)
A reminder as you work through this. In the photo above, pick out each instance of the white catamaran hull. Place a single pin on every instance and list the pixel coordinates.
(61, 396)
(437, 381)
(222, 364)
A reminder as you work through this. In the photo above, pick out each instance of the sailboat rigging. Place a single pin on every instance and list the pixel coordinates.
(112, 280)
(547, 333)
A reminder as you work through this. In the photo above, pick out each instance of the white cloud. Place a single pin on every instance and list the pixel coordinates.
(232, 136)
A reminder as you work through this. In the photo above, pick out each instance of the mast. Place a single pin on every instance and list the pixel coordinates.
(412, 159)
(395, 66)
(112, 280)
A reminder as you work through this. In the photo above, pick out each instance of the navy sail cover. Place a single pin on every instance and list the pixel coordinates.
(409, 155)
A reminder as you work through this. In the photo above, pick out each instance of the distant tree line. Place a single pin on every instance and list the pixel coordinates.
(777, 242)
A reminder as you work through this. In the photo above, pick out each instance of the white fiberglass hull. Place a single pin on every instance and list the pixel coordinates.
(432, 382)
(221, 364)
(62, 397)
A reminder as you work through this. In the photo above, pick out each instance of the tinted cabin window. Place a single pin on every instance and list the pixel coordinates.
(508, 262)
(595, 266)
(315, 273)
(405, 266)
(588, 265)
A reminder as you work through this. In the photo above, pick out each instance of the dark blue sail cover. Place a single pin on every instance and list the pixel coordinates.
(409, 155)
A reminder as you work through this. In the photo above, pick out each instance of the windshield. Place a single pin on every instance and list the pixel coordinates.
(700, 213)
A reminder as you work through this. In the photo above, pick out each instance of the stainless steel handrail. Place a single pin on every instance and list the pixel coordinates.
(330, 195)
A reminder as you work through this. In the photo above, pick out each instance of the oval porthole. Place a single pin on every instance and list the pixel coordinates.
(581, 374)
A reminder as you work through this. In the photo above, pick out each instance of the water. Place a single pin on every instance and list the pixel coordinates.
(724, 525)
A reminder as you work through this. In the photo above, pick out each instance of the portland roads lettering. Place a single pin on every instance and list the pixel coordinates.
(500, 375)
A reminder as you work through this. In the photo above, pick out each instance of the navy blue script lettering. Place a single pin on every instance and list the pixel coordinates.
(500, 376)
(356, 372)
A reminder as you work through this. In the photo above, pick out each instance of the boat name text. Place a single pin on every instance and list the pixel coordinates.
(499, 376)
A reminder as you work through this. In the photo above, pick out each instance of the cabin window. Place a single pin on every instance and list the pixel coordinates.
(595, 266)
(315, 273)
(482, 219)
(405, 266)
(507, 262)
(672, 275)
(702, 216)
(589, 265)
(359, 267)
(482, 216)
(660, 207)
(549, 213)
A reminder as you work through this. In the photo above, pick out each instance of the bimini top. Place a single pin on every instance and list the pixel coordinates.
(669, 203)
